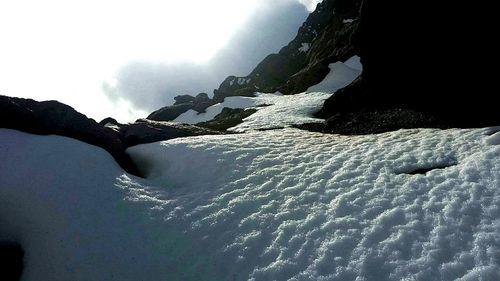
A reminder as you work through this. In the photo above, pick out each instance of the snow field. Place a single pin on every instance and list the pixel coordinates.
(292, 205)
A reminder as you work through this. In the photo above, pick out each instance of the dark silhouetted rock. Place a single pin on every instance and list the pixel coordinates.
(147, 131)
(11, 261)
(182, 104)
(229, 117)
(181, 99)
(171, 112)
(422, 58)
(109, 120)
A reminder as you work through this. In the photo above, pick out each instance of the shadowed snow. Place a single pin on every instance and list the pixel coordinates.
(273, 205)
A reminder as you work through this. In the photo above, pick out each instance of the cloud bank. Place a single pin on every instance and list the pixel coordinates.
(149, 86)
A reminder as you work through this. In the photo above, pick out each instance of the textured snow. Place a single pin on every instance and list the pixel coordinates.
(283, 111)
(273, 205)
(273, 110)
(193, 117)
(292, 205)
(340, 75)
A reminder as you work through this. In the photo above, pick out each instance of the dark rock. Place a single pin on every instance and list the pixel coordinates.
(202, 97)
(182, 104)
(11, 261)
(181, 99)
(375, 121)
(171, 112)
(147, 131)
(229, 117)
(109, 120)
(423, 67)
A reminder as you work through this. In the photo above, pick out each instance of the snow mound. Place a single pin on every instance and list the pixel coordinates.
(341, 75)
(273, 205)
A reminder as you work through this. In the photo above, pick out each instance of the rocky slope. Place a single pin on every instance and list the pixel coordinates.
(433, 67)
(321, 40)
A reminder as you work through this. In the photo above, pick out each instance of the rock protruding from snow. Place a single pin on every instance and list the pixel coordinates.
(182, 104)
(146, 131)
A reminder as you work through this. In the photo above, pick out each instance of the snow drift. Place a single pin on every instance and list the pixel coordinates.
(273, 205)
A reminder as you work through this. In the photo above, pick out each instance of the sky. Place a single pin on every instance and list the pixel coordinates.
(125, 59)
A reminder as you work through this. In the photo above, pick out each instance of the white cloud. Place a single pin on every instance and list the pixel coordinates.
(310, 4)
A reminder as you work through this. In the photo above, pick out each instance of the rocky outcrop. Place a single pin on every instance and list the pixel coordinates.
(432, 67)
(55, 118)
(147, 131)
(321, 40)
(182, 104)
(229, 117)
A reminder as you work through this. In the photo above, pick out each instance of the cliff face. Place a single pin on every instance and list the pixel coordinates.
(433, 59)
(322, 39)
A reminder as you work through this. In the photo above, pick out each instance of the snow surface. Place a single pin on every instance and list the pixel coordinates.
(282, 111)
(340, 75)
(274, 205)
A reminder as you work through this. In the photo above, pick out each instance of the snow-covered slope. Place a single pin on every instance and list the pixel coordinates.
(273, 205)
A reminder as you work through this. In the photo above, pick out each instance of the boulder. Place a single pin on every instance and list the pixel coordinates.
(169, 113)
(181, 99)
(147, 131)
(229, 117)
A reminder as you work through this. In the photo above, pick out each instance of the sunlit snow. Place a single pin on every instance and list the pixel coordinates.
(273, 205)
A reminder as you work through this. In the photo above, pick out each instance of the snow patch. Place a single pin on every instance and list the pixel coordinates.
(341, 75)
(305, 47)
(347, 21)
(283, 111)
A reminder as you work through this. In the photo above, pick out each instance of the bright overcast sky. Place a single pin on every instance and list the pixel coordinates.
(65, 50)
